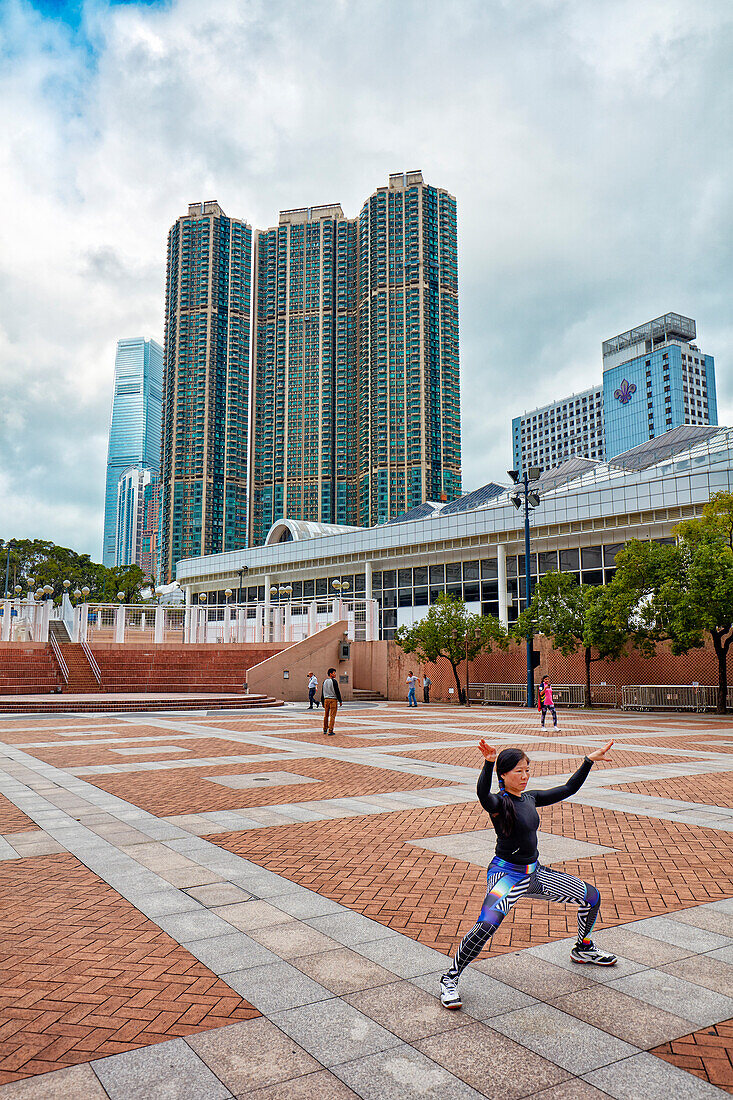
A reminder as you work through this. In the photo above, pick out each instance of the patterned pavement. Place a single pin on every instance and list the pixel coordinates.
(231, 905)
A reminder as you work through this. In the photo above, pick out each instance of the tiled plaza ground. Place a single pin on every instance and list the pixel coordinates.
(204, 906)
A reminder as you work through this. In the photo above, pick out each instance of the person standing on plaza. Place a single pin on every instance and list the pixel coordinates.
(426, 682)
(312, 689)
(412, 684)
(545, 702)
(331, 699)
(515, 871)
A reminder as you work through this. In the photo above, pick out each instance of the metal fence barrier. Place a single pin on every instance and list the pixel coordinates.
(566, 695)
(697, 697)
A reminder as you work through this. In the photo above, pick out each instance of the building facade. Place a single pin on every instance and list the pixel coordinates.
(135, 425)
(654, 378)
(304, 388)
(206, 385)
(136, 490)
(546, 437)
(409, 386)
(587, 512)
(356, 391)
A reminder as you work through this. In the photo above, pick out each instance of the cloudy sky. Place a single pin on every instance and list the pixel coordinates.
(588, 144)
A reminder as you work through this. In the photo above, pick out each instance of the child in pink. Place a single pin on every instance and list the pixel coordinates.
(545, 702)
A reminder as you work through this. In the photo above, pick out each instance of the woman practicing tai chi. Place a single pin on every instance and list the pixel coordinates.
(515, 872)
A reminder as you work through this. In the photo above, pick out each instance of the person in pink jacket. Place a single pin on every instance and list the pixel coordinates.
(545, 702)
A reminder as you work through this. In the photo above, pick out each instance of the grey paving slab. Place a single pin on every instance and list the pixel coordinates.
(702, 1006)
(495, 1065)
(704, 970)
(640, 949)
(572, 1090)
(626, 1017)
(681, 935)
(725, 905)
(252, 914)
(160, 903)
(6, 850)
(644, 1075)
(713, 920)
(403, 1008)
(288, 941)
(260, 779)
(540, 979)
(217, 894)
(70, 1083)
(164, 1071)
(575, 1046)
(323, 1086)
(196, 925)
(233, 951)
(350, 928)
(275, 987)
(332, 1031)
(250, 1054)
(343, 971)
(404, 957)
(558, 952)
(482, 996)
(303, 904)
(724, 954)
(402, 1073)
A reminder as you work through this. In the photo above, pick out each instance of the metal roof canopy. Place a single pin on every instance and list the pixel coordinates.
(658, 331)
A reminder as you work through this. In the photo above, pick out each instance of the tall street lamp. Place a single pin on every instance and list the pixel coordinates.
(531, 500)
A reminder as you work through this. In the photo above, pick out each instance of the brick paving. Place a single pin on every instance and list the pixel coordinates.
(293, 952)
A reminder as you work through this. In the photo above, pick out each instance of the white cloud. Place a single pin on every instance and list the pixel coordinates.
(588, 146)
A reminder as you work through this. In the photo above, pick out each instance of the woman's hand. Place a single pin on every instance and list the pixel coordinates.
(489, 752)
(598, 754)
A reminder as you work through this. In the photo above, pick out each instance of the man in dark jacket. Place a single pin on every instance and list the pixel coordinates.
(331, 700)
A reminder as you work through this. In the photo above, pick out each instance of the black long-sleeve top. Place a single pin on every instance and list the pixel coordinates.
(520, 845)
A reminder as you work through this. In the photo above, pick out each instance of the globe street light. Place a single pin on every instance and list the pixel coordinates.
(120, 596)
(227, 594)
(85, 591)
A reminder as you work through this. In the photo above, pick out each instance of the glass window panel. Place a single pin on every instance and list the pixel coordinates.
(454, 589)
(489, 568)
(470, 570)
(252, 594)
(376, 582)
(261, 593)
(511, 566)
(489, 590)
(593, 576)
(490, 609)
(404, 578)
(610, 552)
(321, 586)
(569, 559)
(405, 597)
(547, 561)
(471, 592)
(309, 590)
(389, 598)
(453, 572)
(360, 583)
(389, 579)
(421, 597)
(421, 575)
(590, 557)
(437, 574)
(297, 590)
(435, 591)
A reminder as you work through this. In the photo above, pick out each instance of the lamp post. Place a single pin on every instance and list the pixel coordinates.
(8, 544)
(531, 500)
(242, 574)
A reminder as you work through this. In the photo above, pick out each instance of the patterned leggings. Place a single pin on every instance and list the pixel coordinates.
(507, 883)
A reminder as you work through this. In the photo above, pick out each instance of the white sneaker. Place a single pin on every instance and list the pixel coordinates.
(449, 995)
(589, 953)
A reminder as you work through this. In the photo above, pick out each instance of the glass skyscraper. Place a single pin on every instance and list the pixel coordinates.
(356, 391)
(135, 425)
(206, 386)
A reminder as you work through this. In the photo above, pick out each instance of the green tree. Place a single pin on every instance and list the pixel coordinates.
(576, 616)
(450, 631)
(45, 563)
(681, 593)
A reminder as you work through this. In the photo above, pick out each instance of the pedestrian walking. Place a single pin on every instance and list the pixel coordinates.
(426, 682)
(545, 702)
(515, 871)
(411, 684)
(312, 689)
(331, 699)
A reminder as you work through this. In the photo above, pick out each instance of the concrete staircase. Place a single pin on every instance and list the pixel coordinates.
(110, 704)
(82, 680)
(366, 695)
(58, 629)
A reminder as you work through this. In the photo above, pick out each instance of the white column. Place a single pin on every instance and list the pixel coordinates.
(77, 622)
(259, 624)
(501, 571)
(83, 622)
(187, 620)
(120, 623)
(312, 618)
(368, 580)
(7, 605)
(372, 620)
(45, 619)
(288, 632)
(159, 624)
(241, 625)
(227, 624)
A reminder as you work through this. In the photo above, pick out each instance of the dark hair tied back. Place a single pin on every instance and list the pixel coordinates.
(506, 761)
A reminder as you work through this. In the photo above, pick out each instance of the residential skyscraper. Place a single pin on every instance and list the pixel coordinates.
(135, 490)
(409, 386)
(135, 425)
(356, 391)
(206, 386)
(304, 378)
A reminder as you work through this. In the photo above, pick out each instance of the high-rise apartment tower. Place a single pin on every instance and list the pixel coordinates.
(135, 425)
(206, 386)
(356, 392)
(304, 382)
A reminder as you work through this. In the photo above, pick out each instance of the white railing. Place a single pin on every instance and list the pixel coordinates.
(59, 658)
(263, 622)
(92, 663)
(24, 620)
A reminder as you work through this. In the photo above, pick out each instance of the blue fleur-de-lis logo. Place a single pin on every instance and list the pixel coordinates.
(625, 392)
